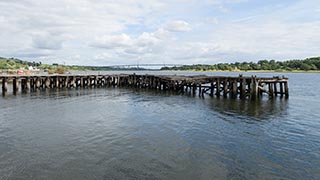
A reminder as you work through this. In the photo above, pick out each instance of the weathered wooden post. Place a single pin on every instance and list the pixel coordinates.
(15, 85)
(4, 86)
(153, 84)
(254, 88)
(134, 80)
(72, 82)
(234, 91)
(211, 88)
(47, 82)
(218, 87)
(271, 93)
(281, 89)
(66, 82)
(119, 81)
(88, 82)
(57, 81)
(243, 88)
(225, 88)
(31, 83)
(194, 88)
(42, 83)
(286, 89)
(82, 81)
(275, 89)
(113, 81)
(23, 84)
(37, 83)
(27, 84)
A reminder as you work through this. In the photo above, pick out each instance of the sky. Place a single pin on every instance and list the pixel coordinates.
(118, 32)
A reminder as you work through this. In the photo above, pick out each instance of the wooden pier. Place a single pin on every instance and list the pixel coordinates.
(234, 87)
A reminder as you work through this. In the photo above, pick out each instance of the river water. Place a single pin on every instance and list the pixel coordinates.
(136, 134)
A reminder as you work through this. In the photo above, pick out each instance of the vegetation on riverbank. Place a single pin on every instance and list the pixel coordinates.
(12, 64)
(309, 64)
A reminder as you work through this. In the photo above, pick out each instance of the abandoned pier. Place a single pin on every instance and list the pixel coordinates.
(251, 87)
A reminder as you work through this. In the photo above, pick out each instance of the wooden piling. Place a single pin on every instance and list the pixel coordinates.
(4, 86)
(211, 89)
(218, 87)
(15, 86)
(243, 88)
(234, 89)
(275, 88)
(281, 89)
(286, 89)
(254, 88)
(271, 93)
(225, 88)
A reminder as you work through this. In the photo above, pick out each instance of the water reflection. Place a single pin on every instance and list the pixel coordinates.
(139, 134)
(263, 109)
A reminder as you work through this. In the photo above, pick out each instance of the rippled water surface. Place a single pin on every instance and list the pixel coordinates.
(135, 134)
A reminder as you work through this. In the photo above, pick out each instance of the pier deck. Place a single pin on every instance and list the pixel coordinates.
(251, 87)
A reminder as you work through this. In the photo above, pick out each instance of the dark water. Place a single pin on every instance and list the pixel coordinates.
(128, 134)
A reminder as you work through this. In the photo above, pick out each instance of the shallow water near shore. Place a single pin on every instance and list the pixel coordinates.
(136, 134)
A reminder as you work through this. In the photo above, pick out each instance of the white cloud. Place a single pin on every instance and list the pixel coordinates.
(113, 41)
(178, 26)
(185, 31)
(63, 25)
(145, 47)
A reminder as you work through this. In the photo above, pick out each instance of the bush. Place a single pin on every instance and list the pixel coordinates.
(60, 70)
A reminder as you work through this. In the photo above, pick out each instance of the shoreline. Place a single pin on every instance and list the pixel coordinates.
(158, 70)
(250, 71)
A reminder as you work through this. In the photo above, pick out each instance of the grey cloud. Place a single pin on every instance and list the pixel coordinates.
(47, 41)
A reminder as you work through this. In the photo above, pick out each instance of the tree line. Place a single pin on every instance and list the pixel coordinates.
(271, 65)
(13, 63)
(308, 64)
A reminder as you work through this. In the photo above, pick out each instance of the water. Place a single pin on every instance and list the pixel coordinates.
(137, 134)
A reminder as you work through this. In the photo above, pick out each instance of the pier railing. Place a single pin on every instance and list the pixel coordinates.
(251, 87)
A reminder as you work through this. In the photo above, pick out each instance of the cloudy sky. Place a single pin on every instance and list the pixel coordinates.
(109, 32)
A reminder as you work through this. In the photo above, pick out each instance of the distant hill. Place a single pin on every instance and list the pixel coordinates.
(13, 64)
(308, 64)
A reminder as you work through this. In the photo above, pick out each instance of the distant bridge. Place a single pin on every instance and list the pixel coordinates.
(144, 65)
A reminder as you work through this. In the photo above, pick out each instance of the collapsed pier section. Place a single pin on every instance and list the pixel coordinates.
(242, 87)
